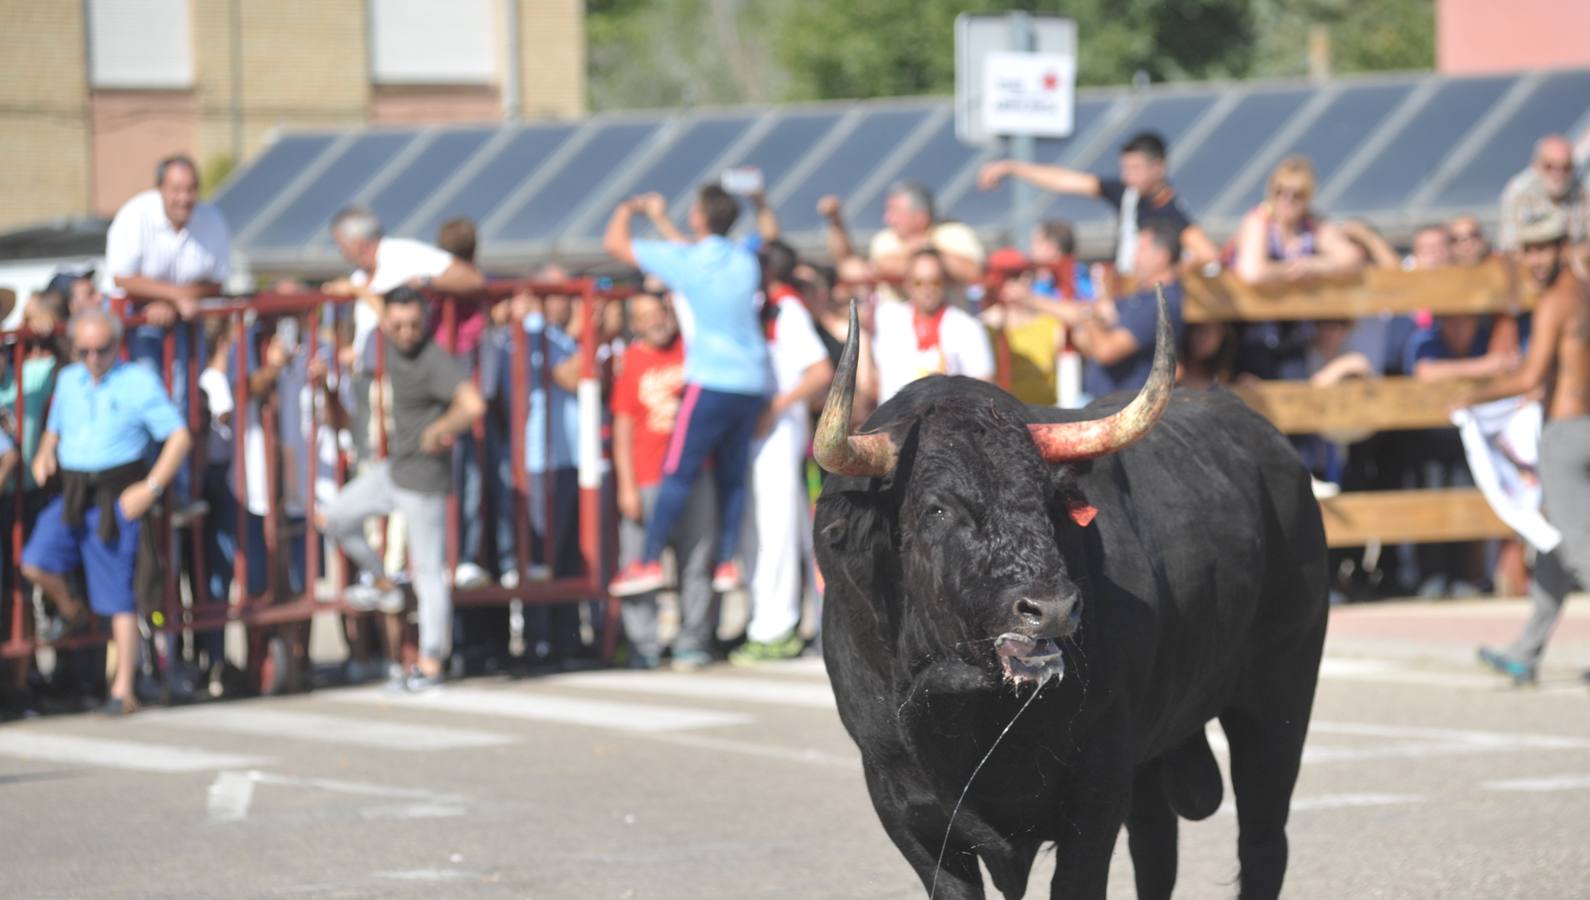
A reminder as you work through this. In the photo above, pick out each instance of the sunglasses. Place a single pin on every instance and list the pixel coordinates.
(1290, 194)
(101, 350)
(1465, 235)
(1557, 166)
(926, 282)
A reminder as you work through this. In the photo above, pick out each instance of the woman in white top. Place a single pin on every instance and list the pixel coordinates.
(928, 335)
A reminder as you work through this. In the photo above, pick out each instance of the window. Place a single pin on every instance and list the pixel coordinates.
(140, 44)
(432, 42)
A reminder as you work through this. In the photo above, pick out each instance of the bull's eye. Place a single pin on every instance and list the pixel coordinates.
(938, 513)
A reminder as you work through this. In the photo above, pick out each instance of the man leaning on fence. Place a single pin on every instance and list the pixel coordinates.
(1558, 360)
(105, 416)
(167, 251)
(432, 403)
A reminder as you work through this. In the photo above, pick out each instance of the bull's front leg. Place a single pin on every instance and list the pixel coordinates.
(1096, 805)
(915, 820)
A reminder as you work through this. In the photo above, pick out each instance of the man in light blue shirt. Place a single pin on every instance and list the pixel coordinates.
(104, 418)
(727, 376)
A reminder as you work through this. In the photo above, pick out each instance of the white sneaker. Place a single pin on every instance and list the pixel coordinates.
(1324, 490)
(509, 579)
(363, 597)
(469, 576)
(391, 600)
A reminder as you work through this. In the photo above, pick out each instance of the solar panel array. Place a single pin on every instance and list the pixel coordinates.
(1396, 150)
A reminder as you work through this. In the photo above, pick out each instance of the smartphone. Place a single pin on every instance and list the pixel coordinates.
(742, 180)
(287, 331)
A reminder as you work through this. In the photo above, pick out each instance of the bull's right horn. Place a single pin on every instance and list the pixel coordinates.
(836, 449)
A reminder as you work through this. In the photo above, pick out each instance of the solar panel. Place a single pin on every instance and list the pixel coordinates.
(1340, 129)
(262, 182)
(936, 162)
(681, 168)
(1223, 155)
(852, 160)
(777, 151)
(1420, 145)
(1560, 101)
(420, 176)
(338, 183)
(587, 173)
(482, 192)
(985, 207)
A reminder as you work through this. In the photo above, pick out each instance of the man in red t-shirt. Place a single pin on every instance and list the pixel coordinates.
(645, 404)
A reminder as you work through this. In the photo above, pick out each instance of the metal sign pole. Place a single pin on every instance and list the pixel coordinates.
(1022, 147)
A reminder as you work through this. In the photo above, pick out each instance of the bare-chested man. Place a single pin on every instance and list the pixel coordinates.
(1558, 360)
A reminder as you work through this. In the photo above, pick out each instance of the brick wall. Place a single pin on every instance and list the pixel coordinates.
(43, 114)
(552, 58)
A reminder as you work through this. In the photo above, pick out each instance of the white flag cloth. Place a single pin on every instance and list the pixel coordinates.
(1502, 442)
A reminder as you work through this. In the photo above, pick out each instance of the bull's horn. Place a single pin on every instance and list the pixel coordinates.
(1068, 441)
(836, 449)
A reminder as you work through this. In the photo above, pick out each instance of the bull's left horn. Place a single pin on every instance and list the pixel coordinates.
(836, 449)
(1067, 441)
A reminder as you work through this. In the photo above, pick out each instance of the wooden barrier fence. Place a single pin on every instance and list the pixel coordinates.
(1377, 404)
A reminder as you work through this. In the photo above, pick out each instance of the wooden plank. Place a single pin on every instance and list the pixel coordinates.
(1356, 405)
(1453, 514)
(1480, 289)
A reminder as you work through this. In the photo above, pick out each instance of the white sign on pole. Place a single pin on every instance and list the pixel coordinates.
(979, 36)
(1028, 93)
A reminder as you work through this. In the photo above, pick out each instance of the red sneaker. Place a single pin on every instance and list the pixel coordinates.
(637, 578)
(726, 577)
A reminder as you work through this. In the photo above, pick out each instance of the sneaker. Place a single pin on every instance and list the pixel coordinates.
(690, 660)
(469, 576)
(391, 600)
(751, 653)
(636, 578)
(509, 579)
(420, 683)
(1324, 490)
(1521, 673)
(397, 680)
(642, 661)
(362, 596)
(726, 577)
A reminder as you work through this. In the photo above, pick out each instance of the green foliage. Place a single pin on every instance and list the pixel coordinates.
(688, 52)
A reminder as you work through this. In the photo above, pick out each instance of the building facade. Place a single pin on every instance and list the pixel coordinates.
(94, 92)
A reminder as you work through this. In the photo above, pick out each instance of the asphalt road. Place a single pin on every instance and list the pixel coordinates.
(1424, 778)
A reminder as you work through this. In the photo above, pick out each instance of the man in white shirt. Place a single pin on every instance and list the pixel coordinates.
(380, 264)
(928, 336)
(911, 224)
(165, 252)
(777, 528)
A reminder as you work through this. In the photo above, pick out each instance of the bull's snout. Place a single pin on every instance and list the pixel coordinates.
(1048, 615)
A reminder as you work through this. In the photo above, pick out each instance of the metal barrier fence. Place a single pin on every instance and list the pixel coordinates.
(277, 605)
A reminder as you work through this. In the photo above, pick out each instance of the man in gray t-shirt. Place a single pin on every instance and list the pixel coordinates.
(432, 403)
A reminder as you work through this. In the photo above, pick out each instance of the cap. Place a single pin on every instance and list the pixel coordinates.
(61, 281)
(1008, 260)
(1543, 227)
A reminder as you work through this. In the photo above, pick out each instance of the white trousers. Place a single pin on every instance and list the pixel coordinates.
(777, 531)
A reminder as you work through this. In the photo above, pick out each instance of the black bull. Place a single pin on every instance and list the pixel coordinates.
(964, 576)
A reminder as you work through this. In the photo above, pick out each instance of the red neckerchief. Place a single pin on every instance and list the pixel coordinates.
(776, 295)
(927, 327)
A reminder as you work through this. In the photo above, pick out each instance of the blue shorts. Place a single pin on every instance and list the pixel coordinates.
(59, 548)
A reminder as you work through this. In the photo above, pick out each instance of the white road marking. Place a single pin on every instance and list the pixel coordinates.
(1546, 785)
(1416, 742)
(1337, 801)
(324, 729)
(433, 875)
(1388, 672)
(782, 691)
(634, 717)
(232, 793)
(118, 754)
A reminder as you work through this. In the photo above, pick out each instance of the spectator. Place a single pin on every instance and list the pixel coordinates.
(1035, 337)
(431, 404)
(1558, 362)
(831, 314)
(646, 403)
(1116, 339)
(1469, 245)
(79, 289)
(910, 224)
(381, 264)
(166, 251)
(715, 284)
(778, 527)
(1207, 355)
(220, 532)
(1140, 196)
(1054, 244)
(104, 415)
(1282, 240)
(1548, 184)
(552, 448)
(930, 336)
